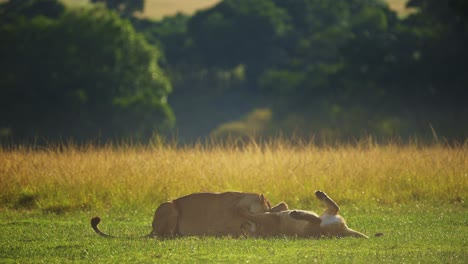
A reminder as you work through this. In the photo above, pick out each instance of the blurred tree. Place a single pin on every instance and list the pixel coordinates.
(205, 94)
(239, 32)
(85, 75)
(340, 68)
(30, 8)
(328, 37)
(439, 32)
(169, 34)
(353, 67)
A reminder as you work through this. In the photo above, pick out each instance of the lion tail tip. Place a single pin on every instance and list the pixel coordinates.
(95, 221)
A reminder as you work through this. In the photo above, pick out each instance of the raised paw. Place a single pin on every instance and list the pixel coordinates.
(320, 195)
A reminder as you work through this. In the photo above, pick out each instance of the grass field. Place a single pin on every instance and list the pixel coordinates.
(415, 195)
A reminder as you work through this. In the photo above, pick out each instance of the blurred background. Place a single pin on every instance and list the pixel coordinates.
(335, 71)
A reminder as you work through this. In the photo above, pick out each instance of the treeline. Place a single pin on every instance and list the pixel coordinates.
(332, 70)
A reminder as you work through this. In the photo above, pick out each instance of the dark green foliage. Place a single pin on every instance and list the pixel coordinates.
(169, 34)
(30, 8)
(342, 69)
(239, 32)
(86, 75)
(337, 69)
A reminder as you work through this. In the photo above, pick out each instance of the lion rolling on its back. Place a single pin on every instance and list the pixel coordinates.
(303, 223)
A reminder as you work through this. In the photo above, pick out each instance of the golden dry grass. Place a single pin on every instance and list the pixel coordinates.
(72, 177)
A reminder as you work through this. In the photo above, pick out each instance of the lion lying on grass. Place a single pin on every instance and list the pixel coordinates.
(242, 214)
(204, 214)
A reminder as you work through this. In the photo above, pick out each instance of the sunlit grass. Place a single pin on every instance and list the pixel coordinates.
(422, 235)
(414, 195)
(70, 178)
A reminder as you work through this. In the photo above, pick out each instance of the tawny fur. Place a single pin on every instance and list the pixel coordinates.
(204, 214)
(302, 223)
(237, 214)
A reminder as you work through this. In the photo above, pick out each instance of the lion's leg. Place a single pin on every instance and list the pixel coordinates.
(165, 220)
(332, 207)
(279, 207)
(305, 216)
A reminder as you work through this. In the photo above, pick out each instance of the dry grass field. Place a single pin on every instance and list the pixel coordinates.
(67, 178)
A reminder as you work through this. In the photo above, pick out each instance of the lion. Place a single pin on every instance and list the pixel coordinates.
(206, 214)
(301, 223)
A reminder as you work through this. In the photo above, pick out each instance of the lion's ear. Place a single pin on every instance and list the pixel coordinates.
(265, 201)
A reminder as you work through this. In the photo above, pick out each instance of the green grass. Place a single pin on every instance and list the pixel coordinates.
(411, 235)
(414, 195)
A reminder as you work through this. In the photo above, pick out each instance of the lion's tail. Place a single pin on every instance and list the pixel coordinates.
(95, 222)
